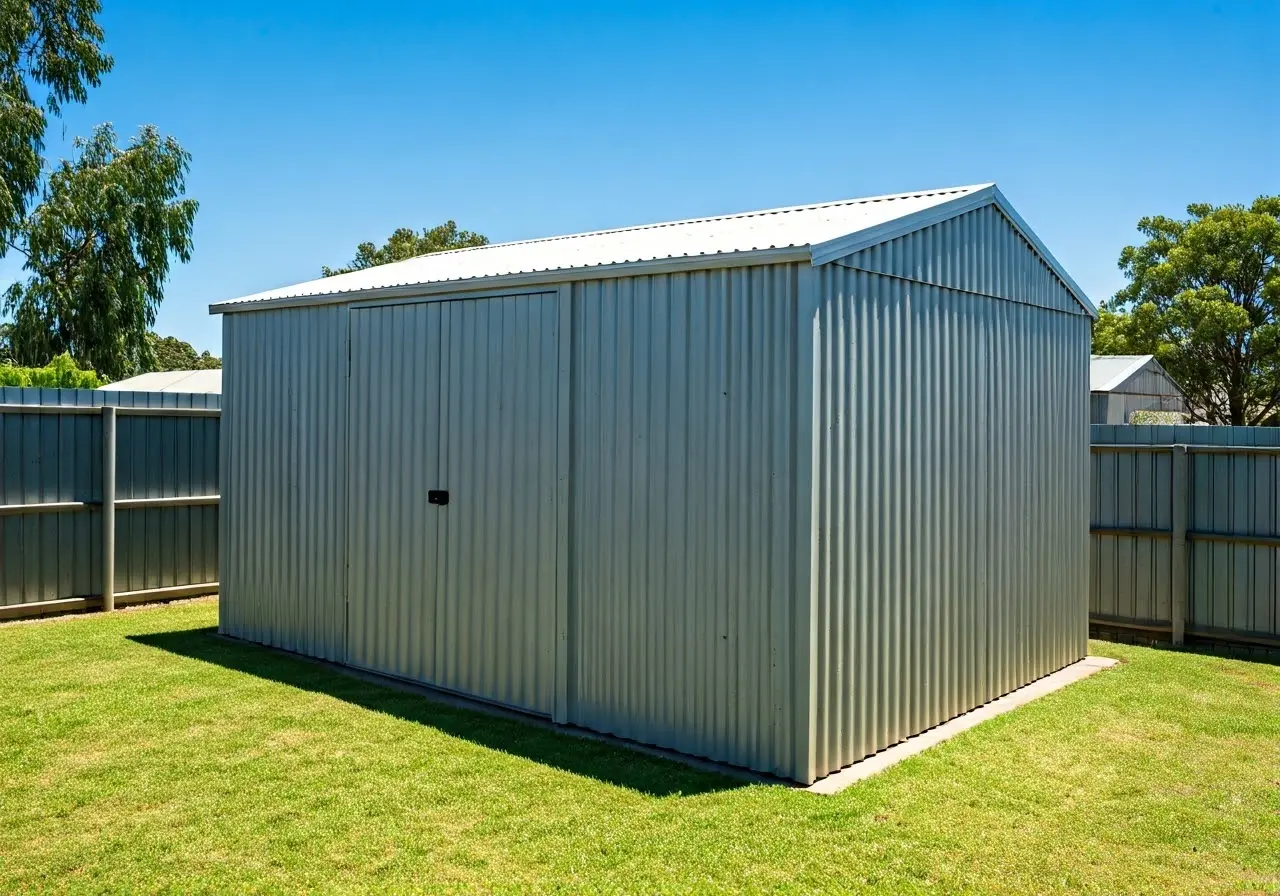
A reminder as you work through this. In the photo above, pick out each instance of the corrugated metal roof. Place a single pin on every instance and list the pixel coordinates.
(779, 228)
(1106, 372)
(199, 381)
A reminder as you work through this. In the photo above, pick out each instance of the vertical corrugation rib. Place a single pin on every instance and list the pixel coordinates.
(682, 469)
(952, 540)
(283, 459)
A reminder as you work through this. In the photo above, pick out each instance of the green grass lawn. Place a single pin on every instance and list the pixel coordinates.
(139, 752)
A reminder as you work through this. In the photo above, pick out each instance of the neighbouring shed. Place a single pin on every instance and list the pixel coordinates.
(1122, 384)
(206, 382)
(779, 488)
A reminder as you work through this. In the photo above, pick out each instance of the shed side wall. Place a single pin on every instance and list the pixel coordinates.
(951, 473)
(284, 476)
(681, 552)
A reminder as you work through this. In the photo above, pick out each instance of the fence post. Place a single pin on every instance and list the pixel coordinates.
(1178, 545)
(108, 508)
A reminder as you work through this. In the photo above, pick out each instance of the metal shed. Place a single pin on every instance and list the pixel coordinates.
(1122, 384)
(196, 382)
(779, 488)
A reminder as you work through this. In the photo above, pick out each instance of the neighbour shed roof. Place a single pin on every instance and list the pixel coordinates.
(819, 233)
(1108, 372)
(171, 381)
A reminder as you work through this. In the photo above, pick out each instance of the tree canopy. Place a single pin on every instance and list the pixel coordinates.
(171, 353)
(1203, 297)
(98, 250)
(50, 55)
(406, 243)
(97, 231)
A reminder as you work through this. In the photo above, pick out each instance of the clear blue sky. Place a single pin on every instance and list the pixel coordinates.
(315, 125)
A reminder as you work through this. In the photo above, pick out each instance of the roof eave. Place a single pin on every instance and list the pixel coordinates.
(780, 255)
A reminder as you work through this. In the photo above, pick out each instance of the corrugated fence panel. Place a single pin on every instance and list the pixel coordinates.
(284, 472)
(681, 552)
(58, 457)
(166, 457)
(978, 252)
(1233, 585)
(950, 468)
(46, 458)
(94, 398)
(1186, 434)
(1129, 576)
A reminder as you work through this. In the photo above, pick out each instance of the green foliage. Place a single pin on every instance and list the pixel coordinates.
(171, 353)
(50, 54)
(60, 373)
(1204, 298)
(1157, 418)
(98, 250)
(406, 243)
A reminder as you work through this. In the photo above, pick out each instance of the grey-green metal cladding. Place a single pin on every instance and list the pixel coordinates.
(53, 457)
(978, 252)
(950, 465)
(775, 515)
(284, 450)
(456, 396)
(1234, 587)
(682, 550)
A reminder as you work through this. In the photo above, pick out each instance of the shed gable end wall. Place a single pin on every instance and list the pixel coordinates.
(1150, 380)
(951, 515)
(977, 252)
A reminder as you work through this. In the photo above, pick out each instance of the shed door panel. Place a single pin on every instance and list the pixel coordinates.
(461, 396)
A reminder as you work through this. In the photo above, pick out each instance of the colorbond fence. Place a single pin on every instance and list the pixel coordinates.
(1186, 533)
(68, 543)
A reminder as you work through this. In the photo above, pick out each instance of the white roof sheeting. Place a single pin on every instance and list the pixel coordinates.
(797, 230)
(1107, 372)
(203, 381)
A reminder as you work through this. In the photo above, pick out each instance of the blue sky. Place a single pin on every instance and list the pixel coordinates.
(315, 125)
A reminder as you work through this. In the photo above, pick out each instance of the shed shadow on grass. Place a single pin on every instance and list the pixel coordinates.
(606, 760)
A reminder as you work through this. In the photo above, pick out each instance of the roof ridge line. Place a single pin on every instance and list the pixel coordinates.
(758, 213)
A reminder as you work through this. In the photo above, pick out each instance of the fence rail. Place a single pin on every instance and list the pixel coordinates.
(105, 499)
(1186, 534)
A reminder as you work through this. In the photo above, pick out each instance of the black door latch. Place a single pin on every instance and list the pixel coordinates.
(437, 496)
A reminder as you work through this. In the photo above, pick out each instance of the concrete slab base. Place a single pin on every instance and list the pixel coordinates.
(891, 756)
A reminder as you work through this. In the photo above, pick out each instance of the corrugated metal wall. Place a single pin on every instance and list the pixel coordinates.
(1232, 585)
(950, 464)
(284, 463)
(459, 396)
(1150, 380)
(58, 457)
(683, 520)
(949, 523)
(978, 252)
